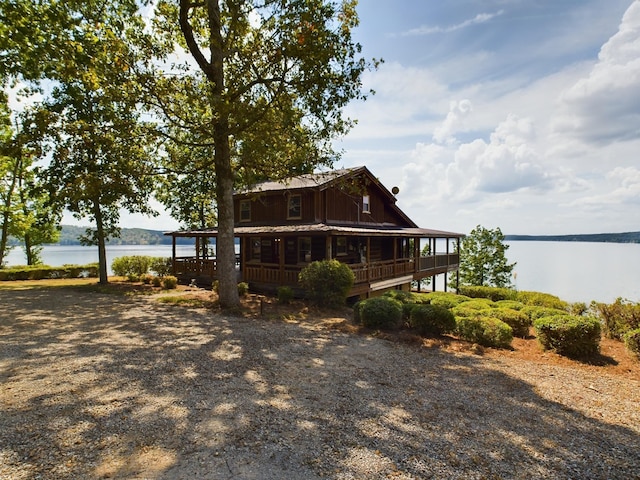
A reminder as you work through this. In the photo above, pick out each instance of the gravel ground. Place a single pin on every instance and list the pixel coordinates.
(104, 386)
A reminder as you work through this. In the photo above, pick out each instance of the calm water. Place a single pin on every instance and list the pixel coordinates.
(574, 271)
(55, 255)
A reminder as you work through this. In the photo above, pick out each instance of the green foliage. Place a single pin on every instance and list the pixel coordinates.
(492, 293)
(618, 318)
(569, 335)
(518, 321)
(381, 313)
(483, 260)
(401, 296)
(169, 282)
(513, 304)
(38, 272)
(161, 266)
(542, 300)
(327, 282)
(285, 295)
(156, 281)
(146, 279)
(535, 312)
(484, 330)
(432, 320)
(131, 266)
(443, 299)
(632, 342)
(243, 289)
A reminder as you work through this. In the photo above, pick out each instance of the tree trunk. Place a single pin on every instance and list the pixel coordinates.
(102, 249)
(6, 214)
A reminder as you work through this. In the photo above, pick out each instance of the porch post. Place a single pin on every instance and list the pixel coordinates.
(281, 259)
(173, 254)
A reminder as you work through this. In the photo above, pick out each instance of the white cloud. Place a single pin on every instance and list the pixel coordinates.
(478, 19)
(458, 111)
(604, 107)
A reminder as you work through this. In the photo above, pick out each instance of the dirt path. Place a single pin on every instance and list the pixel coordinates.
(106, 386)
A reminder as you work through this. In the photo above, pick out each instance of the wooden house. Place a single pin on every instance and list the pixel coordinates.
(345, 214)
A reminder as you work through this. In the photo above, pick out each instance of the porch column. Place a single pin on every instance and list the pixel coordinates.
(173, 255)
(281, 259)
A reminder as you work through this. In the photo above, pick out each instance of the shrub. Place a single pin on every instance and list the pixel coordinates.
(618, 318)
(632, 342)
(569, 335)
(541, 300)
(513, 304)
(484, 330)
(146, 279)
(327, 282)
(401, 296)
(444, 299)
(215, 285)
(492, 293)
(131, 266)
(285, 295)
(169, 282)
(243, 289)
(161, 266)
(381, 313)
(432, 320)
(156, 281)
(37, 272)
(462, 311)
(518, 321)
(535, 312)
(478, 304)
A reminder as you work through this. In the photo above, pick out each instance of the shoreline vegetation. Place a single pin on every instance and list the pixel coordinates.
(69, 235)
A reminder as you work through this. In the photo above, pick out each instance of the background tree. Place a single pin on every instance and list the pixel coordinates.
(274, 78)
(483, 260)
(101, 158)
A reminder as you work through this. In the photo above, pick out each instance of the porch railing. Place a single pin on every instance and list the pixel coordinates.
(273, 273)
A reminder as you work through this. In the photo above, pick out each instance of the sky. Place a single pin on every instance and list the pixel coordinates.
(522, 115)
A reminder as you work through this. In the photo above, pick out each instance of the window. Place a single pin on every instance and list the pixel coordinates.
(256, 248)
(365, 204)
(245, 210)
(304, 249)
(341, 246)
(295, 207)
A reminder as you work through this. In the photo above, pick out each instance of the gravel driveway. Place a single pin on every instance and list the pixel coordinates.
(106, 386)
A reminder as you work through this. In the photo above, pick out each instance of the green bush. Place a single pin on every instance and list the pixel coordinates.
(243, 289)
(534, 312)
(618, 318)
(327, 282)
(156, 281)
(285, 295)
(169, 282)
(513, 304)
(132, 266)
(444, 299)
(541, 300)
(146, 279)
(632, 342)
(39, 272)
(161, 266)
(486, 331)
(569, 335)
(382, 313)
(492, 293)
(478, 304)
(432, 320)
(401, 296)
(518, 321)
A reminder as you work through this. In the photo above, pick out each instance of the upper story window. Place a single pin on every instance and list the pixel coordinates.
(366, 205)
(245, 210)
(295, 207)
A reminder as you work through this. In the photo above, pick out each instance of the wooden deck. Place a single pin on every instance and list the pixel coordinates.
(368, 277)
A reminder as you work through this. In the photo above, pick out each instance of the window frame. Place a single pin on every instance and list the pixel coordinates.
(366, 203)
(245, 208)
(294, 201)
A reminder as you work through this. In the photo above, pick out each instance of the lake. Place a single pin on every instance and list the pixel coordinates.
(574, 271)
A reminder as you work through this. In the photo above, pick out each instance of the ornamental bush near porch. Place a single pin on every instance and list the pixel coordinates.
(327, 282)
(569, 335)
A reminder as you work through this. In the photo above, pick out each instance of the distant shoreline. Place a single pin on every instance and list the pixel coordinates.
(625, 237)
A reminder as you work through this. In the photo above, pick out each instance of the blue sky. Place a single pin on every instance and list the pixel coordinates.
(518, 114)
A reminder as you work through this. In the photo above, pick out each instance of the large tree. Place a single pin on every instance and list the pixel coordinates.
(483, 259)
(101, 153)
(274, 77)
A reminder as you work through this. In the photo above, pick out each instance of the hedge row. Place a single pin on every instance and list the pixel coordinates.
(41, 272)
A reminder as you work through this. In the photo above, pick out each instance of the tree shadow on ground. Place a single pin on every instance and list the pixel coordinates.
(102, 386)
